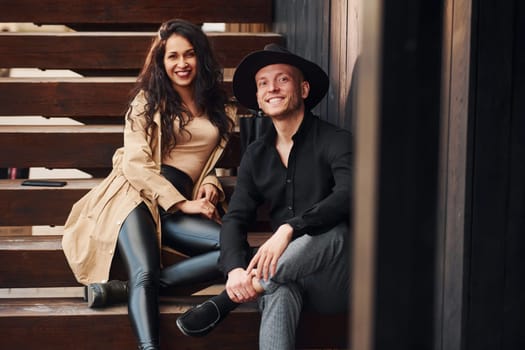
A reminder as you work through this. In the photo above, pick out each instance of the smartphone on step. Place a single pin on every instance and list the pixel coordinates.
(45, 183)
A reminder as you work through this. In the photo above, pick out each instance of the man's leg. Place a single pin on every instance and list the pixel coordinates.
(304, 258)
(281, 311)
(310, 255)
(313, 267)
(328, 291)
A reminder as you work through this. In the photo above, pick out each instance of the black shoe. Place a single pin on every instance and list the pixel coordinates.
(200, 320)
(105, 294)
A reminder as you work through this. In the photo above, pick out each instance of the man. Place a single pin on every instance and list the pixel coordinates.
(302, 167)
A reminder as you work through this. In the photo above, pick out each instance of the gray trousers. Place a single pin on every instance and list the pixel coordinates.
(312, 273)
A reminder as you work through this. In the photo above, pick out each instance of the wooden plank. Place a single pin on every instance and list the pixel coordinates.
(40, 263)
(88, 146)
(490, 187)
(68, 97)
(451, 244)
(62, 324)
(44, 145)
(28, 206)
(69, 324)
(403, 269)
(514, 297)
(307, 26)
(111, 51)
(121, 12)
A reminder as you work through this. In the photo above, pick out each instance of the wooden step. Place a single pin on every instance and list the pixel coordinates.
(28, 206)
(113, 51)
(35, 205)
(69, 97)
(40, 262)
(88, 146)
(64, 324)
(44, 145)
(135, 12)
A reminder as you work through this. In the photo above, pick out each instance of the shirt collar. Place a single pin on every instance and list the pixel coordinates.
(269, 137)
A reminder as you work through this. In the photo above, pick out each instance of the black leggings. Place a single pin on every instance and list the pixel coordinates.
(192, 235)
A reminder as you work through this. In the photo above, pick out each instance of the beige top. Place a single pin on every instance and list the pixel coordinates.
(91, 230)
(194, 146)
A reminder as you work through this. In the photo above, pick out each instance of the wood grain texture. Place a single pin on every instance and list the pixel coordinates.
(113, 51)
(135, 12)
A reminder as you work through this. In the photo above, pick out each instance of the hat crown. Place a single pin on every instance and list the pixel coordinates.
(276, 48)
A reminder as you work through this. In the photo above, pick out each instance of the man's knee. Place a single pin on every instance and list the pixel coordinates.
(308, 254)
(287, 295)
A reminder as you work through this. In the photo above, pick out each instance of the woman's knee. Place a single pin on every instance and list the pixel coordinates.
(144, 278)
(190, 235)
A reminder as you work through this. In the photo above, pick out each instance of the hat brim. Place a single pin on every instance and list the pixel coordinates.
(244, 86)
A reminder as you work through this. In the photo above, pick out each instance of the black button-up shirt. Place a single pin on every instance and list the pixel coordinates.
(312, 194)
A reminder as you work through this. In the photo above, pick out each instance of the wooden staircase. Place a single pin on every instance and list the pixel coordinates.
(105, 45)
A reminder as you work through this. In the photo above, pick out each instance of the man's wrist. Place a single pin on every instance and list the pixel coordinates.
(287, 230)
(235, 271)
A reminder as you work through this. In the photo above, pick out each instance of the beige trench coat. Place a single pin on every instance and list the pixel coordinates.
(91, 230)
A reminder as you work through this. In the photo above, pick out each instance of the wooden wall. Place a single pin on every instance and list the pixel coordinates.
(451, 271)
(482, 219)
(440, 163)
(495, 230)
(328, 33)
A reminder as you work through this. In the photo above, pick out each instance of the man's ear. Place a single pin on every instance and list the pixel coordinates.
(305, 89)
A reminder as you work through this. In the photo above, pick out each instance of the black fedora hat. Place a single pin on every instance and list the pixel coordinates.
(244, 86)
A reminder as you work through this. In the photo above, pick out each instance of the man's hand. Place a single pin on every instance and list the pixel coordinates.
(265, 260)
(239, 286)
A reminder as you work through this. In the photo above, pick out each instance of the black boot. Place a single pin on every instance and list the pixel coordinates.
(105, 294)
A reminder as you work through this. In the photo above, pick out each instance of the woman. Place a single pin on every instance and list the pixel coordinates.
(161, 188)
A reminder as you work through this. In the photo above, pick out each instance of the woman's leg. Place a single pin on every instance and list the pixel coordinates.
(196, 237)
(139, 250)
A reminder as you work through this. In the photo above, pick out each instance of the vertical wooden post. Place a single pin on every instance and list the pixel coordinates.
(451, 244)
(366, 181)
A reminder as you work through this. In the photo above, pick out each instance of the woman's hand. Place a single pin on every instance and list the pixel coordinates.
(200, 206)
(210, 192)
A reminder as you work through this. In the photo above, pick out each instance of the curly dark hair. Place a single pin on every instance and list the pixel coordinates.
(160, 95)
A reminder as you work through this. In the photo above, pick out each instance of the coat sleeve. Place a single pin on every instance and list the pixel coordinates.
(139, 162)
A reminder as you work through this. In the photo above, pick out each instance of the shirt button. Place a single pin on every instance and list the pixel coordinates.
(288, 181)
(290, 208)
(118, 223)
